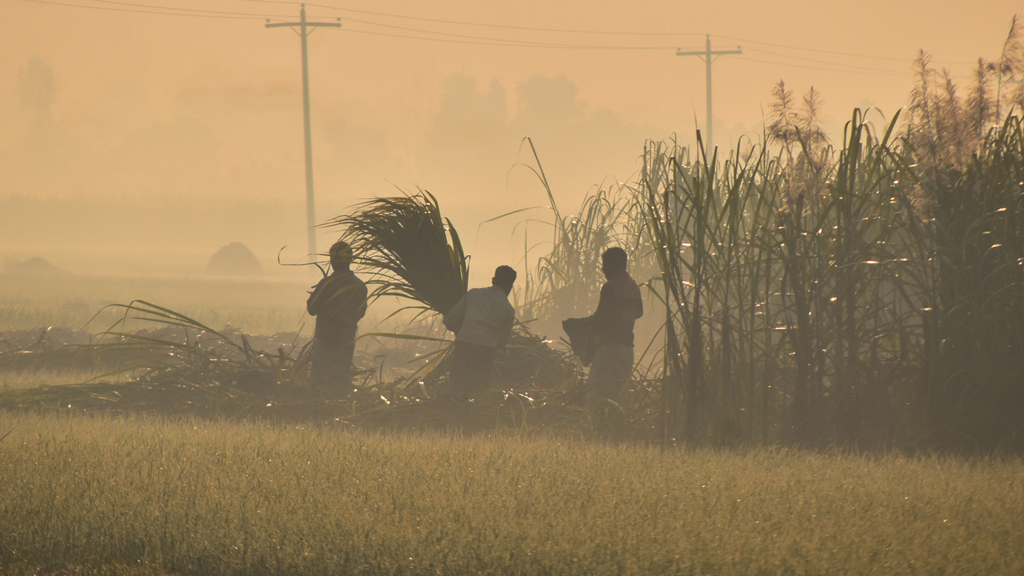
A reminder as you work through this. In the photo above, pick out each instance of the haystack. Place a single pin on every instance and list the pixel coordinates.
(32, 267)
(235, 259)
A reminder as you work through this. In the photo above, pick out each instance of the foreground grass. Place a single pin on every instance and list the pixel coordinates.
(127, 496)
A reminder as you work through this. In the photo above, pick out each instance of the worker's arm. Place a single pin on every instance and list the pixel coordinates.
(604, 316)
(315, 302)
(504, 333)
(360, 298)
(456, 316)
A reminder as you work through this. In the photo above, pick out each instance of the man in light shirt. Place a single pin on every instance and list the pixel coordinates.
(482, 321)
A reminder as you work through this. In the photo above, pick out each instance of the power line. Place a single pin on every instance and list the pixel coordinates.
(484, 24)
(575, 31)
(850, 54)
(445, 40)
(482, 40)
(511, 41)
(455, 38)
(496, 42)
(852, 66)
(840, 70)
(197, 10)
(154, 12)
(162, 10)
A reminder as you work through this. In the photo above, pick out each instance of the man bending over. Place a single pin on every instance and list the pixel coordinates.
(482, 321)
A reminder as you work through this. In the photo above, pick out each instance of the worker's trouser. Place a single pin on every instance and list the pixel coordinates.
(472, 368)
(331, 367)
(609, 372)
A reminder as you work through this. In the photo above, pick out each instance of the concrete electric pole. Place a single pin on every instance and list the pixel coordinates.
(708, 56)
(310, 204)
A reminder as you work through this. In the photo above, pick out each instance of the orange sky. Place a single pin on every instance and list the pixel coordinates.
(149, 105)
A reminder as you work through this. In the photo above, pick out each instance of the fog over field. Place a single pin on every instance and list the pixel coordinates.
(140, 137)
(800, 352)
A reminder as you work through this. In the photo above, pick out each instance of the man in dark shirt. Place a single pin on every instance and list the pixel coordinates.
(338, 302)
(610, 328)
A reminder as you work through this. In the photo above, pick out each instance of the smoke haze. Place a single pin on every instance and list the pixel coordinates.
(136, 142)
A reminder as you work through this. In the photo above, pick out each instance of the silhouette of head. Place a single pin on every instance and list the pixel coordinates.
(613, 261)
(341, 255)
(504, 277)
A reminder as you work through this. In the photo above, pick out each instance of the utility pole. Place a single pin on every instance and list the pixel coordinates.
(310, 203)
(708, 56)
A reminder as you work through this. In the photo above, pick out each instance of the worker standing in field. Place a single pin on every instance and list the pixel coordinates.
(610, 329)
(338, 302)
(482, 322)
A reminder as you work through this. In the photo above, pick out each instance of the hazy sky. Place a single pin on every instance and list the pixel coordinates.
(108, 102)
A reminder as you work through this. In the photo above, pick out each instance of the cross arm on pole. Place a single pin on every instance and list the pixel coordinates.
(270, 24)
(708, 56)
(738, 50)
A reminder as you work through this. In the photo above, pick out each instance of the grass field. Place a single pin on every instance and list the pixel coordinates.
(96, 495)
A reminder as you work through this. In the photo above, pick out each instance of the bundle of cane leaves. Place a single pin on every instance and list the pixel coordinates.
(180, 365)
(410, 249)
(188, 344)
(530, 362)
(50, 348)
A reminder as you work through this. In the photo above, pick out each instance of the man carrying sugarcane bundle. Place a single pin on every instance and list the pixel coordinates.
(482, 321)
(605, 339)
(338, 302)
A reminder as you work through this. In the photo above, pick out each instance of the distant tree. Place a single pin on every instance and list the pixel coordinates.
(469, 116)
(36, 87)
(545, 100)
